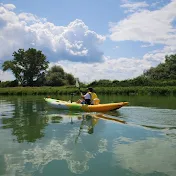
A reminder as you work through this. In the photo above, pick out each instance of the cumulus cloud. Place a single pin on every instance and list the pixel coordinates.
(72, 42)
(147, 26)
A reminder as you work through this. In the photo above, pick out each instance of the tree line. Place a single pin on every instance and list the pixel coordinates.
(30, 68)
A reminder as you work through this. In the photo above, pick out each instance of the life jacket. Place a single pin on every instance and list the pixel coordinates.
(94, 99)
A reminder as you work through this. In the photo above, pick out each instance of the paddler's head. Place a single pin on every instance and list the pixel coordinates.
(90, 89)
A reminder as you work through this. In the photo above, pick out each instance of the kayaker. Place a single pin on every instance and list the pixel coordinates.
(86, 99)
(89, 97)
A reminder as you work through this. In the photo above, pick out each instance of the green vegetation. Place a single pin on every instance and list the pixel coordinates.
(164, 71)
(37, 90)
(139, 81)
(30, 69)
(57, 77)
(63, 90)
(27, 66)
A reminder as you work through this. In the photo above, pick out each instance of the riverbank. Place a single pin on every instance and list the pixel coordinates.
(169, 91)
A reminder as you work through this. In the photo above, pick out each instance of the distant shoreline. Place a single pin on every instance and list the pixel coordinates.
(65, 90)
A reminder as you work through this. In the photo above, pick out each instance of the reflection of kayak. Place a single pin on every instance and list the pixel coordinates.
(102, 116)
(65, 105)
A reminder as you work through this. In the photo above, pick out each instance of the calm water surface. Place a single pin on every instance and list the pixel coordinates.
(38, 141)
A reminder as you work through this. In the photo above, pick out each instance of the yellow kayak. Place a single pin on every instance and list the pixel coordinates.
(66, 105)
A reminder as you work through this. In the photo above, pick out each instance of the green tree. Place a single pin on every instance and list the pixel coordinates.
(57, 77)
(171, 66)
(70, 79)
(27, 66)
(163, 71)
(101, 82)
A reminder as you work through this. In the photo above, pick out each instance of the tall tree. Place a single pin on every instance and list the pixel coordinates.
(27, 66)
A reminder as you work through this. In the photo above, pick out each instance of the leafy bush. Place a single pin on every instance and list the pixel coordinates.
(9, 83)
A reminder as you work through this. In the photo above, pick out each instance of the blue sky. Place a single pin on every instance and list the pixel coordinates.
(91, 39)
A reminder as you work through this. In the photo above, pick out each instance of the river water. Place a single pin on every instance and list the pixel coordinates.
(36, 140)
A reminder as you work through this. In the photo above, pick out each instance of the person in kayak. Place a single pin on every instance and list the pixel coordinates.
(86, 99)
(89, 98)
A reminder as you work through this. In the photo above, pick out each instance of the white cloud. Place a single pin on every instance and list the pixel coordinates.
(134, 6)
(8, 6)
(28, 17)
(6, 76)
(112, 69)
(147, 26)
(72, 42)
(158, 56)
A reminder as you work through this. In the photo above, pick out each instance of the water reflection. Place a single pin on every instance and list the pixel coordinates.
(41, 155)
(149, 156)
(25, 119)
(36, 140)
(6, 109)
(67, 144)
(29, 121)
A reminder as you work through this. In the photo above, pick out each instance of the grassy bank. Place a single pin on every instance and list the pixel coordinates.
(170, 90)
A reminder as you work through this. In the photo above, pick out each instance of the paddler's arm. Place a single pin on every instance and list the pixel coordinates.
(83, 96)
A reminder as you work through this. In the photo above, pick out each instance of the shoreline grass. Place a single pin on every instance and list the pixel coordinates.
(167, 91)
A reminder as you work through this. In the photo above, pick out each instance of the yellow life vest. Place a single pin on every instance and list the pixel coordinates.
(94, 99)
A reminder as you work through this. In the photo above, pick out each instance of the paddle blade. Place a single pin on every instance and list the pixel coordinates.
(77, 83)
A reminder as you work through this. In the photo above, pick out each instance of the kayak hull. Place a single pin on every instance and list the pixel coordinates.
(65, 105)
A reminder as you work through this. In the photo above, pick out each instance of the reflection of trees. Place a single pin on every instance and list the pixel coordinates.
(27, 121)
